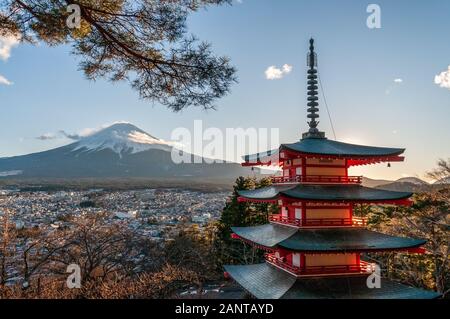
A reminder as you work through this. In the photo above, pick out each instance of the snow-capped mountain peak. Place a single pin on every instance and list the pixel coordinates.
(121, 138)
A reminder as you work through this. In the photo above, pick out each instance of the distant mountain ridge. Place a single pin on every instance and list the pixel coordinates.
(124, 150)
(405, 184)
(120, 150)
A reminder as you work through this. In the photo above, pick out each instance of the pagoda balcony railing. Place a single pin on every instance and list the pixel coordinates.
(362, 268)
(319, 222)
(317, 179)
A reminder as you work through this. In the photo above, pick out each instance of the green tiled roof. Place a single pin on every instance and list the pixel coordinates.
(263, 156)
(262, 280)
(324, 239)
(268, 235)
(346, 239)
(323, 146)
(324, 192)
(266, 282)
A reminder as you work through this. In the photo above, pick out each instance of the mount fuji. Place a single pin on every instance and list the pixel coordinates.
(120, 150)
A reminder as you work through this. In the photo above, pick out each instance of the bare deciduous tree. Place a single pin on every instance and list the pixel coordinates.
(7, 247)
(427, 219)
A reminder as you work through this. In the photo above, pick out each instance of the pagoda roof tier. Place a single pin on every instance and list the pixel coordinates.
(333, 193)
(323, 147)
(324, 240)
(267, 282)
(268, 235)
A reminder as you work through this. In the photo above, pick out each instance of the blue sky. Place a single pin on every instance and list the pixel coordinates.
(358, 68)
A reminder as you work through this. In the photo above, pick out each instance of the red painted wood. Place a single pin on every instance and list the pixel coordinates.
(351, 160)
(419, 250)
(316, 179)
(318, 222)
(302, 261)
(361, 267)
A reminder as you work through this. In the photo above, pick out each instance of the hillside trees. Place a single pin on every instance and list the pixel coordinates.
(428, 218)
(238, 214)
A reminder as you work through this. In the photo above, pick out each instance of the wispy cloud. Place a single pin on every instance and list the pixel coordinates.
(4, 81)
(443, 79)
(63, 134)
(6, 45)
(391, 87)
(77, 136)
(274, 73)
(74, 136)
(47, 136)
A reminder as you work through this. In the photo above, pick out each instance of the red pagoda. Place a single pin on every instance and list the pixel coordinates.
(314, 243)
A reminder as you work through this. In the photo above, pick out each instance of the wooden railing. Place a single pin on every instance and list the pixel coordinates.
(285, 220)
(363, 267)
(317, 179)
(319, 222)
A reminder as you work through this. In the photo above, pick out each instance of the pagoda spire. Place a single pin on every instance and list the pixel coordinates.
(312, 104)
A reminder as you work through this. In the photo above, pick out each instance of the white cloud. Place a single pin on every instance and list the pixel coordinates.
(398, 80)
(4, 81)
(443, 79)
(6, 44)
(274, 73)
(77, 136)
(287, 68)
(64, 135)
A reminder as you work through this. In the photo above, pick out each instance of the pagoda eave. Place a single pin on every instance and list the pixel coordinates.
(334, 149)
(258, 163)
(325, 193)
(324, 240)
(326, 149)
(351, 160)
(267, 282)
(397, 202)
(254, 200)
(410, 250)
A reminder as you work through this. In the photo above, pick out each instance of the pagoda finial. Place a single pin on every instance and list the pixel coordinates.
(313, 131)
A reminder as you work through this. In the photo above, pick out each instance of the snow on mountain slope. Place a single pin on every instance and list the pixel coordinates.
(119, 151)
(121, 138)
